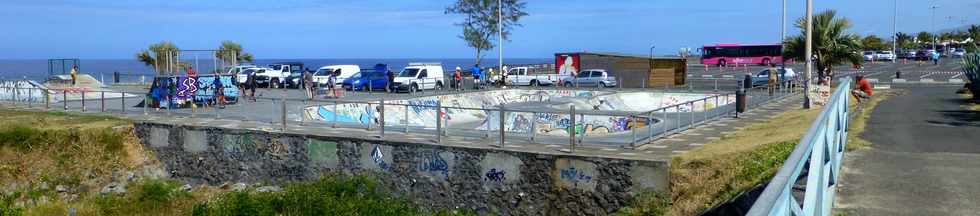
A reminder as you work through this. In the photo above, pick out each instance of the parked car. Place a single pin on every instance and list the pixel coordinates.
(959, 52)
(885, 56)
(922, 55)
(761, 78)
(592, 77)
(869, 55)
(342, 71)
(524, 76)
(366, 80)
(909, 54)
(373, 80)
(275, 75)
(295, 80)
(420, 76)
(243, 76)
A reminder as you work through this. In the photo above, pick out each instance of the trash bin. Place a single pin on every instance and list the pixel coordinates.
(741, 101)
(747, 82)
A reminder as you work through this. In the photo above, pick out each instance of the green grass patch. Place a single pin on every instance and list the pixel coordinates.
(334, 194)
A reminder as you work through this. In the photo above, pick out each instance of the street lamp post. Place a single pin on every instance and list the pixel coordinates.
(933, 21)
(895, 30)
(651, 66)
(500, 37)
(808, 53)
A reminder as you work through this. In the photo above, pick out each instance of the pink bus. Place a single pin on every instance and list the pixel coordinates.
(725, 54)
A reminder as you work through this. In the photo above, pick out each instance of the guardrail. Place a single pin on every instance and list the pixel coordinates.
(390, 113)
(819, 154)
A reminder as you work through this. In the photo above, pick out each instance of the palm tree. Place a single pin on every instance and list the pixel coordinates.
(156, 55)
(905, 41)
(231, 53)
(832, 44)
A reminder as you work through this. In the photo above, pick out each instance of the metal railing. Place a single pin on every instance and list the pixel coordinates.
(819, 155)
(500, 124)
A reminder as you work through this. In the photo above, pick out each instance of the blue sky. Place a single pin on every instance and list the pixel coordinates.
(40, 29)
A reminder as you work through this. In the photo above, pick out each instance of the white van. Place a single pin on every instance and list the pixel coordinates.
(420, 76)
(346, 71)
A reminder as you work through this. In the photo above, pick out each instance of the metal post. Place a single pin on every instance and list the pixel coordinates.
(502, 121)
(122, 96)
(406, 118)
(438, 121)
(571, 127)
(635, 125)
(102, 105)
(534, 126)
(334, 120)
(282, 113)
(83, 101)
(705, 111)
(368, 125)
(146, 104)
(381, 119)
(14, 91)
(30, 97)
(47, 100)
(692, 115)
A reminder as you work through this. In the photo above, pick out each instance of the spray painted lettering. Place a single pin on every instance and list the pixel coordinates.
(495, 175)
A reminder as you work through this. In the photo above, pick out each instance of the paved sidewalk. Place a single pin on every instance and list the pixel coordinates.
(924, 158)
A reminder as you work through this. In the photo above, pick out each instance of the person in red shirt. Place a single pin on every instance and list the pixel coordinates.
(862, 91)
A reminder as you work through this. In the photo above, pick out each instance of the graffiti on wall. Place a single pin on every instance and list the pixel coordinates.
(21, 91)
(495, 175)
(185, 91)
(378, 157)
(574, 173)
(435, 162)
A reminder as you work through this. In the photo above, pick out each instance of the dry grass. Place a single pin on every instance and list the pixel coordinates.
(721, 169)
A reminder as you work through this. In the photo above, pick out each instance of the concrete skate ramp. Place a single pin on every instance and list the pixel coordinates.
(537, 111)
(60, 87)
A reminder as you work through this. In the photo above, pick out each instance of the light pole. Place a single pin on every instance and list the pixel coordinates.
(809, 54)
(651, 65)
(782, 34)
(500, 37)
(933, 21)
(895, 30)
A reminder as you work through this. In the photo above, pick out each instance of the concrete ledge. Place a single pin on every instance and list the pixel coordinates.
(727, 76)
(927, 80)
(955, 80)
(898, 80)
(707, 76)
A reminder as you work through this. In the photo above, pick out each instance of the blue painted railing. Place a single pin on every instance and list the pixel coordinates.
(820, 152)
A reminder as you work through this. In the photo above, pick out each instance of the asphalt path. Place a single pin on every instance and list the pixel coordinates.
(924, 160)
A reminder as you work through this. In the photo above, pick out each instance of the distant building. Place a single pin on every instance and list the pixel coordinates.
(635, 71)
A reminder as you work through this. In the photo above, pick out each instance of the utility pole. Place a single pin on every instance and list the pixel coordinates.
(500, 37)
(809, 54)
(895, 31)
(934, 33)
(782, 35)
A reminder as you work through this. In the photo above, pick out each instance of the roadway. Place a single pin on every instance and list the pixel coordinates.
(924, 158)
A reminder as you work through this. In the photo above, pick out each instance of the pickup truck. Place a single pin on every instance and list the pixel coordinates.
(275, 75)
(592, 77)
(523, 76)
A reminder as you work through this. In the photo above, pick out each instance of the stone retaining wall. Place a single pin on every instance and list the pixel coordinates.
(497, 181)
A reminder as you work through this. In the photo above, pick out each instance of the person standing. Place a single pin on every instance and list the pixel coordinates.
(391, 81)
(74, 75)
(503, 76)
(773, 79)
(219, 94)
(191, 72)
(332, 85)
(476, 77)
(935, 58)
(308, 84)
(252, 84)
(458, 78)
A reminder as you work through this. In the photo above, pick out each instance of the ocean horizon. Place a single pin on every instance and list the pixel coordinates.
(37, 69)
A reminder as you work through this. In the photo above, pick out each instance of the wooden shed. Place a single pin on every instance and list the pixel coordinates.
(635, 71)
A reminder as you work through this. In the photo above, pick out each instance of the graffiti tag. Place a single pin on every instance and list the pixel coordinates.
(495, 175)
(433, 162)
(574, 175)
(378, 156)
